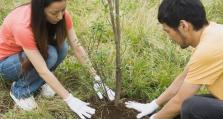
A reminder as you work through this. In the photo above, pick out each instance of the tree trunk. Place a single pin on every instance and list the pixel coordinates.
(115, 20)
(118, 55)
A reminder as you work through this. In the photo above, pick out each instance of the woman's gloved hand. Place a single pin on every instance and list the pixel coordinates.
(100, 89)
(79, 107)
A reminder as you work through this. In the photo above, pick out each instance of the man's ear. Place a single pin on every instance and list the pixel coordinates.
(184, 26)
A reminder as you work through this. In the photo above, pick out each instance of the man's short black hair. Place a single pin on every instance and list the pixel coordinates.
(172, 11)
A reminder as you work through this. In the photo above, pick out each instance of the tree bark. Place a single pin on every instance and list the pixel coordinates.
(118, 55)
(115, 20)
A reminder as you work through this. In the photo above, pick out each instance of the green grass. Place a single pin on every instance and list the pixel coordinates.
(149, 59)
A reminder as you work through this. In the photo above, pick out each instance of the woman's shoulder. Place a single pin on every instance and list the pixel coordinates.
(20, 15)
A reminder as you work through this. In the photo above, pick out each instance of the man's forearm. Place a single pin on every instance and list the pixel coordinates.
(173, 107)
(171, 90)
(170, 110)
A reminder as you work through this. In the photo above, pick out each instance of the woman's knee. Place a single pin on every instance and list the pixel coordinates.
(10, 68)
(63, 51)
(52, 56)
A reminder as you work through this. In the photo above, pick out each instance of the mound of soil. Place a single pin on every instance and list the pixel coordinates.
(110, 111)
(107, 110)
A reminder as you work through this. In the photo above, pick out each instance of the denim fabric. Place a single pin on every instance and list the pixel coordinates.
(200, 107)
(25, 84)
(204, 106)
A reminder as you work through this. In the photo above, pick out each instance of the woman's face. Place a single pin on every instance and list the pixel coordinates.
(55, 11)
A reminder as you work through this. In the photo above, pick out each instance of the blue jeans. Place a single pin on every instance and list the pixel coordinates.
(25, 84)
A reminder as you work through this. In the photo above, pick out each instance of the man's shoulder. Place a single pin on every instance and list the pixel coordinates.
(212, 32)
(207, 52)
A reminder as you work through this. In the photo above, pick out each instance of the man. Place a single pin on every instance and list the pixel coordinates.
(185, 22)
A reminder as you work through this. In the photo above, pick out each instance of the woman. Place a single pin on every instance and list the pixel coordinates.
(32, 45)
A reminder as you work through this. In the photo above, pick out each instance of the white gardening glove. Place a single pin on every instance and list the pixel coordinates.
(144, 109)
(79, 107)
(100, 88)
(152, 117)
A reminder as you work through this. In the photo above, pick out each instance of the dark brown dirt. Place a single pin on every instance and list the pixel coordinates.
(110, 111)
(107, 110)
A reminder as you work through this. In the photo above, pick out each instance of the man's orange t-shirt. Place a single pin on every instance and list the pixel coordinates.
(206, 63)
(16, 32)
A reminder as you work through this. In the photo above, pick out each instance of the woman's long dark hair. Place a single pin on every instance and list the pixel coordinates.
(44, 32)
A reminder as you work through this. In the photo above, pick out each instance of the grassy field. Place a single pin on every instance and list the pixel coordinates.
(150, 61)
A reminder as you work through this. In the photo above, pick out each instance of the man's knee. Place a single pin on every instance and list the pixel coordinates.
(187, 107)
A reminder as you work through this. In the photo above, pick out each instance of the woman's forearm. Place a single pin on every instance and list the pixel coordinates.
(41, 67)
(79, 51)
(83, 58)
(54, 83)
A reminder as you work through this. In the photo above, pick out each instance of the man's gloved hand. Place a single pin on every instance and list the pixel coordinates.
(152, 117)
(79, 107)
(100, 89)
(144, 109)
